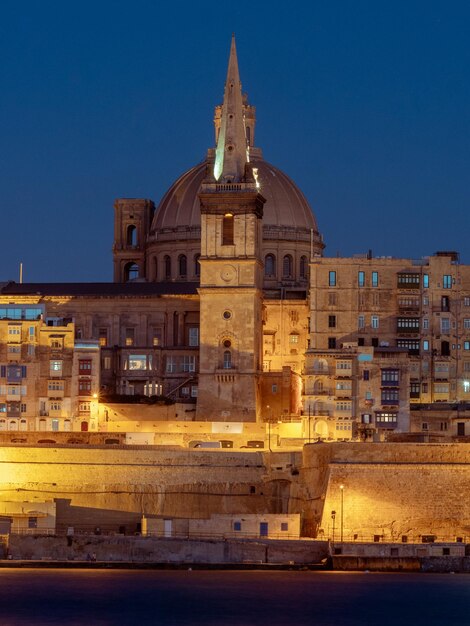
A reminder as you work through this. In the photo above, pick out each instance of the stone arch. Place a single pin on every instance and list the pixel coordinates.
(131, 271)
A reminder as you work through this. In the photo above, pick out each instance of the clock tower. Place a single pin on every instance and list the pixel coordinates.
(231, 271)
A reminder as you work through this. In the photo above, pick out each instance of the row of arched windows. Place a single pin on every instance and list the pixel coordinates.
(181, 267)
(270, 270)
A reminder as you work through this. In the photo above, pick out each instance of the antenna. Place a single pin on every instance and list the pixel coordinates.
(21, 273)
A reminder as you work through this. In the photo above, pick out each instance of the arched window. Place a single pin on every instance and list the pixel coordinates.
(287, 266)
(182, 266)
(227, 230)
(303, 267)
(131, 272)
(167, 266)
(227, 360)
(270, 265)
(197, 267)
(131, 237)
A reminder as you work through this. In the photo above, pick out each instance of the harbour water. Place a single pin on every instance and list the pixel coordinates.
(231, 598)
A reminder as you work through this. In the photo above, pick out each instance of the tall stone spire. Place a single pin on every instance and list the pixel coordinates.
(231, 152)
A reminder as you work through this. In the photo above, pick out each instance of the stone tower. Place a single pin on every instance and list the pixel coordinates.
(132, 220)
(231, 270)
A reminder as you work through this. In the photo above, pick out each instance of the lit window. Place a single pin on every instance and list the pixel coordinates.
(137, 362)
(425, 281)
(361, 279)
(332, 279)
(425, 345)
(447, 281)
(56, 367)
(375, 279)
(227, 230)
(374, 321)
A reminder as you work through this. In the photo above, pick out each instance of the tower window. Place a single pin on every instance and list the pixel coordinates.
(167, 266)
(182, 266)
(227, 230)
(131, 237)
(131, 272)
(227, 360)
(287, 266)
(270, 265)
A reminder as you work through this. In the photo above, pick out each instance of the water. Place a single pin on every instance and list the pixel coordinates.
(231, 598)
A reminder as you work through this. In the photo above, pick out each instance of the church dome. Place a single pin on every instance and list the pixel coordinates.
(286, 207)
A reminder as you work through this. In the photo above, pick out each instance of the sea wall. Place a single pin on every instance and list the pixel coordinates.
(159, 550)
(390, 491)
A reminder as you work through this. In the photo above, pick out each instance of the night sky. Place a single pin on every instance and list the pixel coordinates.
(365, 104)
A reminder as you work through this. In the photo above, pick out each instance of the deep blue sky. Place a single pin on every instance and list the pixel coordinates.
(365, 104)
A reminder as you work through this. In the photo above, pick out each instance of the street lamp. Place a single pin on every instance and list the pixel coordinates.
(342, 510)
(333, 517)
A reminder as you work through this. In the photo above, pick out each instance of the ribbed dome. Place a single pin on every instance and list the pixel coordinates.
(286, 206)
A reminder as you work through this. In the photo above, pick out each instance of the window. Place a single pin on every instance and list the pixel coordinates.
(131, 239)
(366, 418)
(130, 336)
(227, 230)
(374, 321)
(270, 265)
(425, 301)
(408, 280)
(32, 522)
(361, 278)
(425, 323)
(193, 336)
(425, 345)
(55, 367)
(137, 362)
(390, 377)
(361, 322)
(331, 343)
(193, 391)
(237, 526)
(157, 335)
(294, 338)
(227, 360)
(55, 405)
(170, 364)
(375, 279)
(182, 266)
(84, 366)
(331, 321)
(445, 303)
(131, 272)
(445, 325)
(447, 281)
(167, 267)
(84, 407)
(23, 407)
(390, 396)
(466, 323)
(332, 279)
(284, 526)
(425, 281)
(344, 406)
(332, 299)
(84, 387)
(408, 324)
(107, 363)
(466, 301)
(386, 418)
(287, 266)
(365, 375)
(445, 348)
(466, 345)
(189, 363)
(414, 390)
(55, 385)
(273, 388)
(303, 267)
(103, 337)
(412, 345)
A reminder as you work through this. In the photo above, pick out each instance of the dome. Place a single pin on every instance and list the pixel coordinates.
(286, 207)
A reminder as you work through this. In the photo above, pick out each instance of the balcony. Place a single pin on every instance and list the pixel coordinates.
(343, 393)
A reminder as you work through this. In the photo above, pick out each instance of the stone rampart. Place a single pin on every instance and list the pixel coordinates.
(391, 491)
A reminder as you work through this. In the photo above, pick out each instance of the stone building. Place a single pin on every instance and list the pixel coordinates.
(223, 301)
(49, 380)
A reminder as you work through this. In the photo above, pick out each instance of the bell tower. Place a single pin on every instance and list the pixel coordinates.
(231, 271)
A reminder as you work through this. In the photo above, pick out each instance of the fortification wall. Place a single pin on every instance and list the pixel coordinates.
(390, 490)
(109, 488)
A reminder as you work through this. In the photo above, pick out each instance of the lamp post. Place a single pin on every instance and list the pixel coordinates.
(342, 510)
(333, 517)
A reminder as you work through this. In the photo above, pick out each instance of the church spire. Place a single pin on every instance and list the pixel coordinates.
(231, 151)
